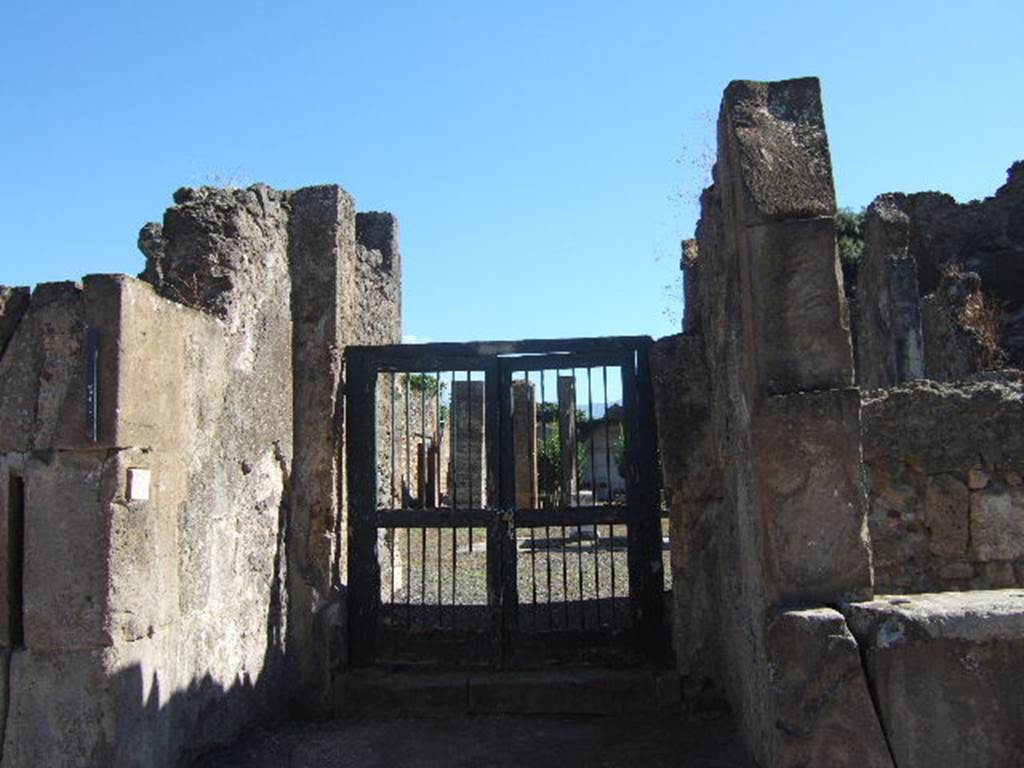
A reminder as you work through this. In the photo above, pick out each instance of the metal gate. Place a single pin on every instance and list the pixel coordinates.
(503, 504)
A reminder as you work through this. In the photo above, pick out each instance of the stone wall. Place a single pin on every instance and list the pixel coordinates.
(940, 288)
(944, 464)
(763, 376)
(945, 670)
(157, 625)
(770, 457)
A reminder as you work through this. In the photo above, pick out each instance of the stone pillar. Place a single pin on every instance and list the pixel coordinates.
(524, 442)
(322, 242)
(468, 475)
(783, 423)
(567, 437)
(889, 343)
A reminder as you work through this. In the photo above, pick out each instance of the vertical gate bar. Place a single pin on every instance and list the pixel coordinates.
(575, 440)
(408, 576)
(579, 529)
(453, 471)
(391, 550)
(361, 463)
(436, 480)
(469, 446)
(563, 503)
(607, 435)
(653, 628)
(408, 456)
(608, 475)
(595, 545)
(634, 554)
(391, 408)
(393, 495)
(453, 493)
(421, 481)
(501, 496)
(533, 540)
(579, 568)
(406, 504)
(565, 580)
(547, 529)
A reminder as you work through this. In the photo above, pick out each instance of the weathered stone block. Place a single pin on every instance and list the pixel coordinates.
(682, 403)
(693, 477)
(218, 248)
(946, 671)
(890, 348)
(810, 488)
(822, 711)
(946, 515)
(60, 711)
(997, 523)
(800, 336)
(42, 373)
(977, 478)
(67, 553)
(921, 441)
(13, 303)
(372, 292)
(942, 428)
(118, 707)
(774, 134)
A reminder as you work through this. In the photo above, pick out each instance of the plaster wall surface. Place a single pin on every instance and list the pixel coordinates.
(156, 628)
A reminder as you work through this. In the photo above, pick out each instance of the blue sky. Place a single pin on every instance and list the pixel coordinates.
(544, 158)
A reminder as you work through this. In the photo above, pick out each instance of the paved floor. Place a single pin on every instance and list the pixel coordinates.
(651, 741)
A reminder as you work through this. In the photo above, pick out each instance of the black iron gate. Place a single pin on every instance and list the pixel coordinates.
(503, 504)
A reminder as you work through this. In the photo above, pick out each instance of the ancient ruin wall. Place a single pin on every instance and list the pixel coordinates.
(767, 322)
(940, 287)
(944, 465)
(155, 628)
(761, 445)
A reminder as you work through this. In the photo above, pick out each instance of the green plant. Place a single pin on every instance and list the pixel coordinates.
(425, 382)
(549, 462)
(850, 242)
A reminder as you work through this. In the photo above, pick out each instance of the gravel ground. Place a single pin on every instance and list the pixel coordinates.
(440, 567)
(490, 742)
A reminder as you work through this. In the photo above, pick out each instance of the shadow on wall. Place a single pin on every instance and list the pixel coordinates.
(138, 702)
(155, 628)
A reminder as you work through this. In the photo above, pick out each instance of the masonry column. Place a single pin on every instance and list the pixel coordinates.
(468, 476)
(791, 529)
(322, 242)
(567, 437)
(524, 441)
(890, 347)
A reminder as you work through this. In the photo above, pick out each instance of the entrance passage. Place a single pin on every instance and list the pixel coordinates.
(503, 504)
